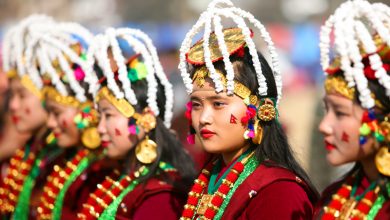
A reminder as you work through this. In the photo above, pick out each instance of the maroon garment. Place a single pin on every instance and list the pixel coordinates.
(86, 183)
(155, 199)
(271, 193)
(384, 212)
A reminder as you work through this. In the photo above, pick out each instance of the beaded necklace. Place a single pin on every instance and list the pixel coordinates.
(212, 206)
(104, 202)
(18, 170)
(345, 204)
(58, 183)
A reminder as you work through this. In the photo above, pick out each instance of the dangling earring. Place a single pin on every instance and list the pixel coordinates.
(146, 150)
(85, 121)
(90, 138)
(267, 110)
(258, 133)
(382, 157)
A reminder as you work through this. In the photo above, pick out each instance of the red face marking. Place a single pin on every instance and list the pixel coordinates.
(345, 137)
(117, 132)
(28, 111)
(64, 124)
(233, 119)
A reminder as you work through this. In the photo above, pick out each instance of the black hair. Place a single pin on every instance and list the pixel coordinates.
(274, 145)
(382, 110)
(169, 147)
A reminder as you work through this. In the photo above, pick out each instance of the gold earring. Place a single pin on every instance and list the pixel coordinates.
(146, 151)
(267, 111)
(90, 138)
(258, 133)
(382, 161)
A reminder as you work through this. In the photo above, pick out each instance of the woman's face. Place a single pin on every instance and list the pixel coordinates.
(27, 111)
(216, 118)
(114, 132)
(61, 122)
(340, 127)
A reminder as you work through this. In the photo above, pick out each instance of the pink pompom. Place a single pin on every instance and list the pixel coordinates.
(191, 139)
(79, 74)
(132, 129)
(251, 134)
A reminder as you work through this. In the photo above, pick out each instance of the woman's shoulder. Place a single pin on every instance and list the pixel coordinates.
(156, 197)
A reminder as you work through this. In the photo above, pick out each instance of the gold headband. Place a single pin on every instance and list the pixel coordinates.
(337, 84)
(51, 93)
(28, 83)
(122, 105)
(239, 89)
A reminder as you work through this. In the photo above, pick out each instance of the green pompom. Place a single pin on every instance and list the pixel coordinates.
(83, 56)
(132, 75)
(77, 119)
(87, 109)
(365, 130)
(379, 137)
(141, 70)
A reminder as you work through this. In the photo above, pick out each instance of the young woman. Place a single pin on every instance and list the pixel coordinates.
(72, 118)
(233, 114)
(30, 164)
(356, 124)
(135, 106)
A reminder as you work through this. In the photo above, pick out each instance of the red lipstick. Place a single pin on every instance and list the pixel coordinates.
(56, 134)
(105, 143)
(205, 133)
(329, 146)
(14, 119)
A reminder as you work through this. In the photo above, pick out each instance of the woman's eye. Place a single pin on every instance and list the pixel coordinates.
(195, 105)
(219, 104)
(340, 114)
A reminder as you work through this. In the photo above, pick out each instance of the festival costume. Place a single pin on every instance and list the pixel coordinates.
(124, 195)
(360, 57)
(247, 188)
(60, 54)
(30, 164)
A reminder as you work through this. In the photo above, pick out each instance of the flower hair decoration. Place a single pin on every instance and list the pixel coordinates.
(212, 17)
(150, 68)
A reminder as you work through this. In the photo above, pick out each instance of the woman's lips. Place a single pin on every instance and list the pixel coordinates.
(14, 119)
(329, 146)
(105, 143)
(56, 134)
(205, 133)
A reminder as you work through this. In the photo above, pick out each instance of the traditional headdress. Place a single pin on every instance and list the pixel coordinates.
(358, 53)
(14, 47)
(58, 54)
(128, 71)
(219, 45)
(361, 44)
(224, 44)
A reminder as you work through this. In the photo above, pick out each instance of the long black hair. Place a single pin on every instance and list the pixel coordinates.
(169, 147)
(274, 145)
(382, 111)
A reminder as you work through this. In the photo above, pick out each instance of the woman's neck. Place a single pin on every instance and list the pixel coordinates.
(369, 168)
(228, 157)
(39, 135)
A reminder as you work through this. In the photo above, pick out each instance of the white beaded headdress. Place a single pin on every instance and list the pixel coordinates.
(54, 45)
(352, 25)
(15, 43)
(142, 45)
(212, 17)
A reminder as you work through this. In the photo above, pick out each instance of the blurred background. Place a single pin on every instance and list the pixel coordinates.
(294, 27)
